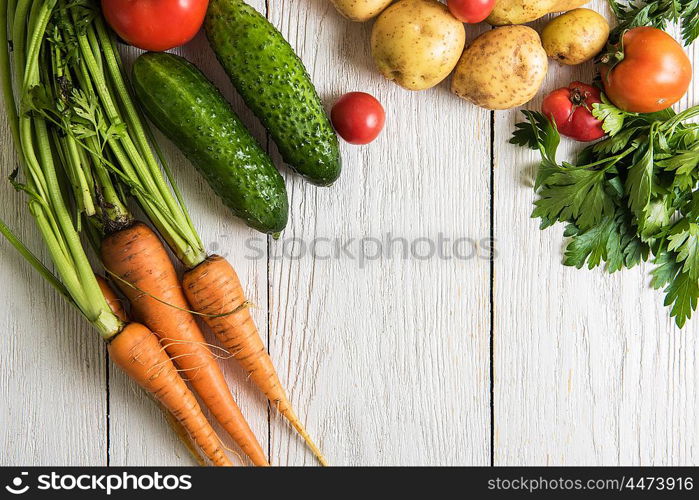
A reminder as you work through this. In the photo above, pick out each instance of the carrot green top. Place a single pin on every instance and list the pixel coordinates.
(77, 130)
(33, 141)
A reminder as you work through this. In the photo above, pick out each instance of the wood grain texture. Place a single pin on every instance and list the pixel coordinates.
(387, 361)
(139, 434)
(52, 384)
(589, 368)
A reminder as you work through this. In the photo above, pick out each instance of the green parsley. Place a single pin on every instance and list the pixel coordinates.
(629, 198)
(658, 13)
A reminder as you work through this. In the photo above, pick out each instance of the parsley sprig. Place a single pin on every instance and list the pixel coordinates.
(658, 13)
(629, 198)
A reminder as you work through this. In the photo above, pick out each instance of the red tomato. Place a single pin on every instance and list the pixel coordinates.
(471, 11)
(570, 108)
(155, 24)
(653, 75)
(358, 117)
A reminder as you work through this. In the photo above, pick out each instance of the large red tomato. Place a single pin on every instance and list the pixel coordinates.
(155, 24)
(653, 74)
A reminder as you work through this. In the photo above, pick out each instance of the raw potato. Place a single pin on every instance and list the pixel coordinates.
(502, 68)
(575, 37)
(361, 10)
(525, 11)
(417, 43)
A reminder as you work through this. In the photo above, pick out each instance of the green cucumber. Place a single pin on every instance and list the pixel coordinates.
(272, 80)
(193, 114)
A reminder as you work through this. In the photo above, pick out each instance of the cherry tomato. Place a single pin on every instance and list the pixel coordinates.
(156, 25)
(653, 74)
(471, 11)
(358, 117)
(571, 109)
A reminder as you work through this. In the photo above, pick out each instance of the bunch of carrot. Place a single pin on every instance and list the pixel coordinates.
(84, 149)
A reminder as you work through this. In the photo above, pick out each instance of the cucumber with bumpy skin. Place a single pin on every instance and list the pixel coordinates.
(275, 85)
(193, 114)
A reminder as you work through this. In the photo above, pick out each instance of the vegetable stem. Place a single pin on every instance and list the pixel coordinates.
(46, 203)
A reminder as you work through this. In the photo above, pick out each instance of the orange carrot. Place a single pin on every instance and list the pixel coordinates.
(117, 307)
(183, 436)
(114, 303)
(139, 353)
(138, 257)
(213, 288)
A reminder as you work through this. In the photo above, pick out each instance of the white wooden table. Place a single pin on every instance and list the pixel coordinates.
(518, 361)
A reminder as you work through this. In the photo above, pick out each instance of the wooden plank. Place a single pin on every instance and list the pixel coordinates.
(387, 361)
(589, 369)
(138, 432)
(52, 371)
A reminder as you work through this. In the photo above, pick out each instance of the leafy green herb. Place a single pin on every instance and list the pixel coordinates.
(639, 182)
(657, 13)
(611, 116)
(539, 133)
(612, 241)
(574, 194)
(93, 123)
(632, 195)
(681, 293)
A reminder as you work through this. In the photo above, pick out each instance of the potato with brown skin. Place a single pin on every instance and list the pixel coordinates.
(360, 10)
(575, 37)
(502, 68)
(524, 11)
(417, 43)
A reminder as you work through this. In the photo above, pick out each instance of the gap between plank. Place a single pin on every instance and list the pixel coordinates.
(492, 288)
(269, 293)
(106, 379)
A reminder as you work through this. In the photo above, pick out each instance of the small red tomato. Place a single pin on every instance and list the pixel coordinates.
(471, 11)
(358, 117)
(570, 108)
(156, 25)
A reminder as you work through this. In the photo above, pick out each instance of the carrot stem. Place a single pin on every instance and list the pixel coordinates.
(34, 260)
(133, 118)
(46, 202)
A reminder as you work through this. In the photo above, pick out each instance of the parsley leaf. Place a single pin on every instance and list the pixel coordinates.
(677, 271)
(657, 13)
(612, 241)
(612, 117)
(574, 195)
(639, 183)
(681, 294)
(615, 143)
(690, 21)
(684, 239)
(539, 133)
(665, 271)
(683, 162)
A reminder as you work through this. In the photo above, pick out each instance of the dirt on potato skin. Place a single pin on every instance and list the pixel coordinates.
(417, 43)
(503, 68)
(575, 37)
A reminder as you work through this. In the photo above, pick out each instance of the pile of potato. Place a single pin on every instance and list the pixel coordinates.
(418, 43)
